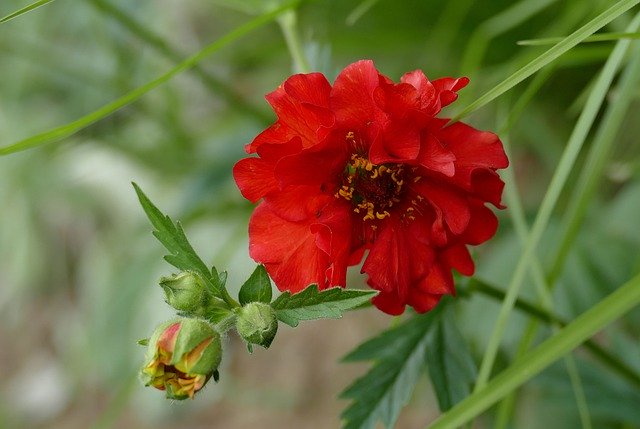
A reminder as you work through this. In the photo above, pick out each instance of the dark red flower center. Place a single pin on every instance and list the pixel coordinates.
(372, 189)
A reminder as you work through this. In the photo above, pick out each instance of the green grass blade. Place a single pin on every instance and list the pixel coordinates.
(550, 55)
(583, 327)
(83, 122)
(24, 10)
(595, 164)
(578, 136)
(160, 44)
(601, 37)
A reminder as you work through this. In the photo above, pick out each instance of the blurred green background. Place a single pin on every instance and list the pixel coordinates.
(79, 267)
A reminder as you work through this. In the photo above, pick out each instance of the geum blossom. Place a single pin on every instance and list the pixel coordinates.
(366, 168)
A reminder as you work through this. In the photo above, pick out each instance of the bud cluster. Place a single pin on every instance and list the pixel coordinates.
(184, 353)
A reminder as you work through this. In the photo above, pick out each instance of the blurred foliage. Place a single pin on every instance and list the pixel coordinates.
(78, 266)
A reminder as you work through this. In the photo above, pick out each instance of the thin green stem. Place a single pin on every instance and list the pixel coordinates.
(24, 10)
(289, 24)
(211, 82)
(73, 127)
(558, 180)
(614, 306)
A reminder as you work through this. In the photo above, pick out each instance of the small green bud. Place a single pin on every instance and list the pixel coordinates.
(181, 357)
(257, 323)
(186, 292)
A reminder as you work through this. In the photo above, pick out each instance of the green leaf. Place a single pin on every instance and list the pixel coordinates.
(451, 367)
(172, 237)
(311, 304)
(398, 356)
(256, 288)
(24, 10)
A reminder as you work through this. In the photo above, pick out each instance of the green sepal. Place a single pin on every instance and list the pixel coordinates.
(257, 288)
(192, 333)
(256, 323)
(311, 304)
(143, 342)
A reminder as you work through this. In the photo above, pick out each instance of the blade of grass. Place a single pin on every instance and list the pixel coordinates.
(595, 164)
(558, 180)
(605, 357)
(550, 55)
(514, 202)
(215, 85)
(506, 20)
(71, 128)
(24, 10)
(614, 306)
(601, 37)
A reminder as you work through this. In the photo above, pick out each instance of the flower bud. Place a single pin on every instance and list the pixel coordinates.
(185, 292)
(257, 323)
(181, 357)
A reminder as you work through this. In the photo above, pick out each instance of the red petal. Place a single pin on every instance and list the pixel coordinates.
(320, 164)
(423, 302)
(288, 250)
(389, 302)
(311, 88)
(333, 236)
(427, 100)
(397, 260)
(447, 88)
(439, 281)
(296, 203)
(487, 185)
(399, 143)
(483, 225)
(451, 201)
(254, 177)
(458, 257)
(434, 156)
(473, 149)
(352, 96)
(302, 106)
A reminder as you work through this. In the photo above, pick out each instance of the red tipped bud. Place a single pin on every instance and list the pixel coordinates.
(182, 355)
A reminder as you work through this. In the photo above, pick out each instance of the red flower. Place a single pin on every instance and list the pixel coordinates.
(362, 166)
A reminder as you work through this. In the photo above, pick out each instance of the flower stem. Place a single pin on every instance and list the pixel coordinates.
(289, 25)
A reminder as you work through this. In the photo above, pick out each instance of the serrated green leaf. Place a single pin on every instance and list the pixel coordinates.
(311, 304)
(257, 288)
(172, 237)
(451, 367)
(399, 360)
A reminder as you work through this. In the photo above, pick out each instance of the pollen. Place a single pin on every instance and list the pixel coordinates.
(372, 189)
